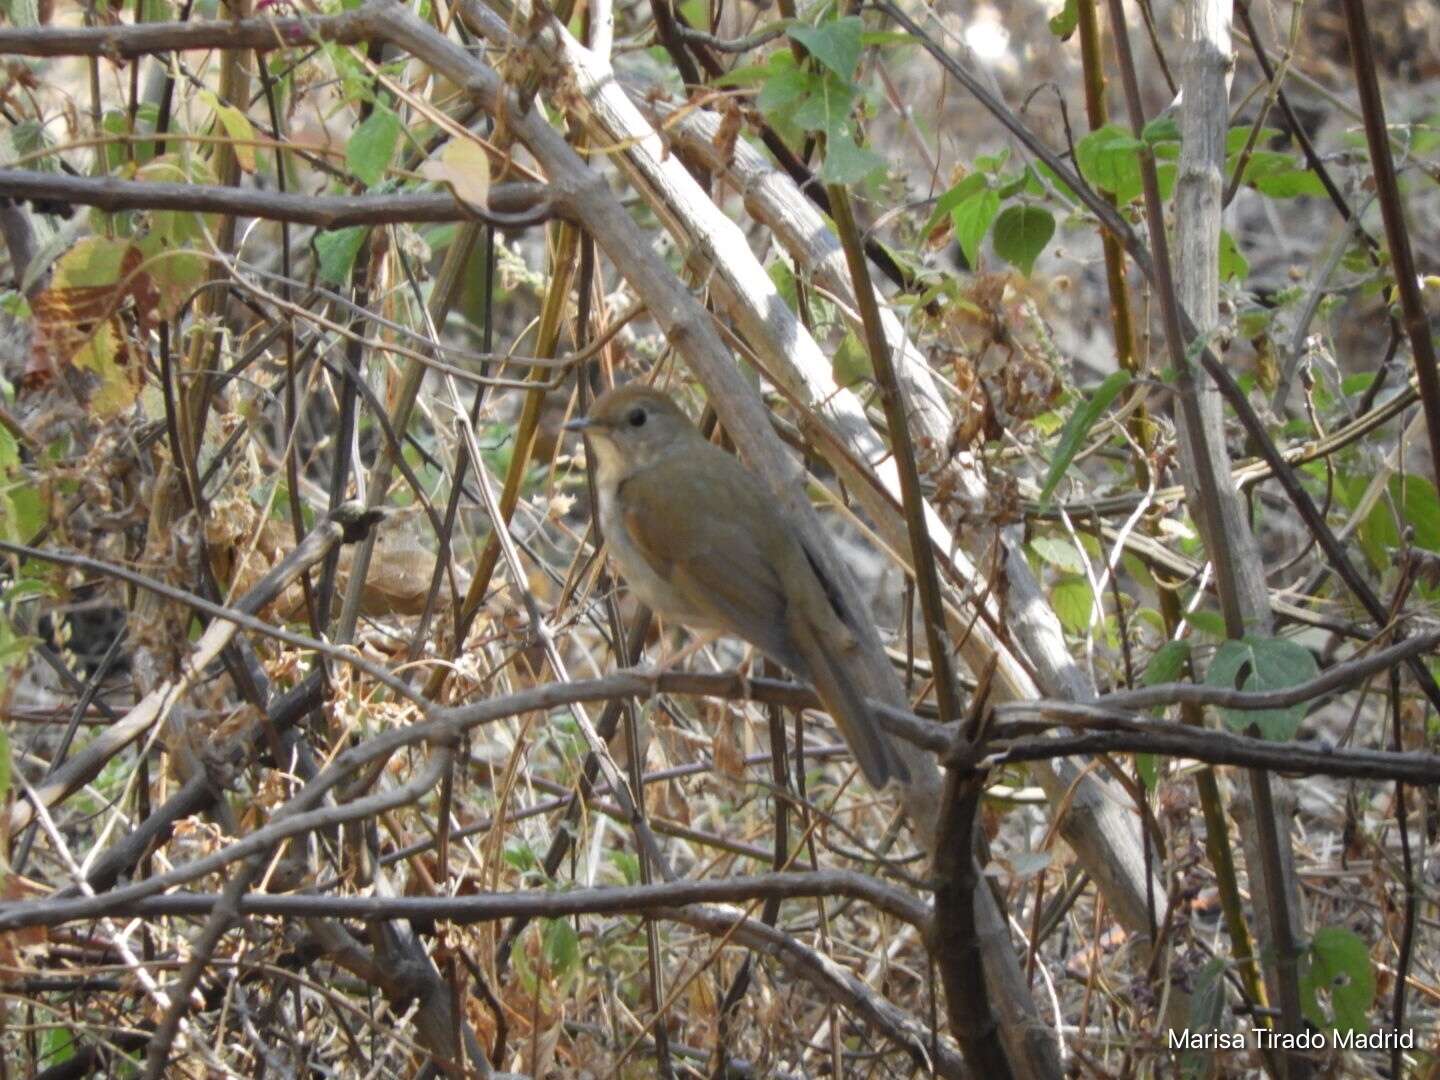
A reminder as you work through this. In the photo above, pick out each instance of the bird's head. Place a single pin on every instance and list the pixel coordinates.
(631, 426)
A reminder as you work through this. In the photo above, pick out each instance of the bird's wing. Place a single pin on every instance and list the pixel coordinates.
(714, 556)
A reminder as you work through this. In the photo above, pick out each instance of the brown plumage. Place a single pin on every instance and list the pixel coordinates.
(701, 541)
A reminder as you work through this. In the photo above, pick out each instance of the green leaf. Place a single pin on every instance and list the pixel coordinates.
(751, 74)
(888, 38)
(1021, 233)
(337, 249)
(93, 262)
(1074, 603)
(237, 126)
(851, 362)
(1380, 533)
(1278, 175)
(57, 1046)
(13, 651)
(836, 43)
(947, 202)
(117, 122)
(1207, 1013)
(1012, 184)
(172, 250)
(846, 162)
(973, 218)
(1207, 1001)
(14, 303)
(372, 145)
(520, 856)
(628, 863)
(785, 89)
(1063, 24)
(1058, 553)
(102, 354)
(22, 510)
(1148, 768)
(1210, 623)
(1233, 265)
(992, 163)
(1338, 963)
(1416, 497)
(562, 946)
(9, 452)
(827, 108)
(1064, 190)
(1355, 385)
(1256, 664)
(1255, 321)
(1261, 163)
(783, 278)
(1078, 426)
(1167, 665)
(1290, 184)
(1137, 569)
(23, 13)
(1165, 177)
(1163, 129)
(1237, 137)
(1108, 158)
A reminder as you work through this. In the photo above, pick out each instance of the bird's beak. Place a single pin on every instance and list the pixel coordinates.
(580, 423)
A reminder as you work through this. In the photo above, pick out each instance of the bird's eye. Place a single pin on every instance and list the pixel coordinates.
(636, 418)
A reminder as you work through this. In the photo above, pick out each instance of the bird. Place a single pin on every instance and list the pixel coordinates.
(700, 540)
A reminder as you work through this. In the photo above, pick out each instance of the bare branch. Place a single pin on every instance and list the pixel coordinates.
(511, 206)
(553, 904)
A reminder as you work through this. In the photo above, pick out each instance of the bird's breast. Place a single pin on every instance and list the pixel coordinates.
(644, 579)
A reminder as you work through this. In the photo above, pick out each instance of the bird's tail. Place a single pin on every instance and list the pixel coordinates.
(828, 668)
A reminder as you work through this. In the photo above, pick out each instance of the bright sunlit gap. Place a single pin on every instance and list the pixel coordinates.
(987, 39)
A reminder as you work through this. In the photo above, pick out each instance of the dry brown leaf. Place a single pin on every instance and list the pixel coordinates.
(728, 742)
(465, 166)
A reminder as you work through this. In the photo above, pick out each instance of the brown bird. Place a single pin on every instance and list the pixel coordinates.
(701, 541)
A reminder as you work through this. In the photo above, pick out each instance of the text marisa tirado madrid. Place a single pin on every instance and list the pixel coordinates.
(1266, 1039)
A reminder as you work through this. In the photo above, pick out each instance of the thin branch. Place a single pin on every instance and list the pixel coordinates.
(126, 41)
(1215, 748)
(1338, 677)
(840, 985)
(892, 397)
(1387, 191)
(556, 904)
(729, 45)
(510, 206)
